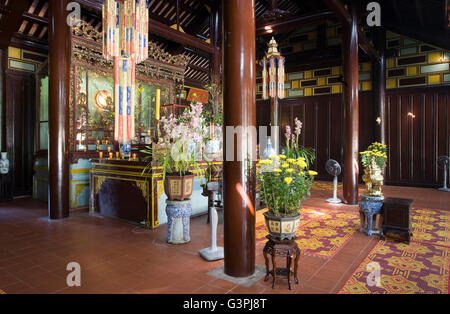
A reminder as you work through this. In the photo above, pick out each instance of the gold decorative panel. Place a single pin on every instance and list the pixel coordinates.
(417, 64)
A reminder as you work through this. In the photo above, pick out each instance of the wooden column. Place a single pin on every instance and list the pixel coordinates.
(216, 57)
(380, 84)
(239, 110)
(59, 89)
(351, 108)
(3, 67)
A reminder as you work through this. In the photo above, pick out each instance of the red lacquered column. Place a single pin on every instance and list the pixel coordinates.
(59, 80)
(351, 109)
(239, 110)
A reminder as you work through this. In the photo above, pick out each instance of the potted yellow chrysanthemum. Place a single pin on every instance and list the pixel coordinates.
(284, 183)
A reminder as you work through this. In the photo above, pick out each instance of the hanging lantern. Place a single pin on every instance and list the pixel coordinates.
(125, 40)
(273, 74)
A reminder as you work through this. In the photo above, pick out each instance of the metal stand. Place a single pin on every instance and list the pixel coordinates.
(335, 199)
(444, 187)
(370, 207)
(214, 252)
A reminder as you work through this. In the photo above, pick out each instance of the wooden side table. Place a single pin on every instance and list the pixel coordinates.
(397, 217)
(288, 249)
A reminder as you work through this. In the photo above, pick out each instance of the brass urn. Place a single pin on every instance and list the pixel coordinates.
(373, 178)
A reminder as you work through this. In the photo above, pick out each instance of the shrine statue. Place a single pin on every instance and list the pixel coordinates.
(373, 178)
(4, 164)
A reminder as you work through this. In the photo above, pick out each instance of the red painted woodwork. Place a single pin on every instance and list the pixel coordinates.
(19, 120)
(415, 144)
(239, 86)
(323, 122)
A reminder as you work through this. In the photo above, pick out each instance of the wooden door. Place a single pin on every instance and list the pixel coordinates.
(20, 121)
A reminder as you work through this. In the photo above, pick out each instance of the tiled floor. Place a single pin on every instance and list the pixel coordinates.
(117, 257)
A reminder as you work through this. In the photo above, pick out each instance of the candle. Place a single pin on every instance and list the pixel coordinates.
(149, 133)
(211, 130)
(100, 154)
(158, 103)
(106, 142)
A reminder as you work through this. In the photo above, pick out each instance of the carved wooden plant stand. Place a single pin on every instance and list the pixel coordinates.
(288, 249)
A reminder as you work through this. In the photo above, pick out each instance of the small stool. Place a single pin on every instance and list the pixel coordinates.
(288, 249)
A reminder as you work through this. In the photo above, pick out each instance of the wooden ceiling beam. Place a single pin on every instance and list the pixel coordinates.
(368, 47)
(435, 37)
(169, 33)
(445, 16)
(396, 10)
(344, 16)
(161, 29)
(290, 24)
(419, 12)
(13, 22)
(339, 10)
(34, 18)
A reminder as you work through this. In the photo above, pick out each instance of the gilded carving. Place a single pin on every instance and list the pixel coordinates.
(78, 190)
(143, 185)
(87, 47)
(98, 184)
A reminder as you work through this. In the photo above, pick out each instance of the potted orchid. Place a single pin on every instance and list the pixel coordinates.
(285, 180)
(293, 149)
(179, 151)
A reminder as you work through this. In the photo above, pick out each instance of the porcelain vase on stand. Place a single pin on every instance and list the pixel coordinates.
(372, 199)
(178, 221)
(4, 164)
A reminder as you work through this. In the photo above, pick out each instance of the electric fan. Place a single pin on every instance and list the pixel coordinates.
(443, 162)
(334, 169)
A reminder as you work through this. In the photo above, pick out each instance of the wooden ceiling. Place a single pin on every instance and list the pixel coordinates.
(25, 23)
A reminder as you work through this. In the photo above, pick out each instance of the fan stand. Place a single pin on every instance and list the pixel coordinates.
(335, 199)
(444, 187)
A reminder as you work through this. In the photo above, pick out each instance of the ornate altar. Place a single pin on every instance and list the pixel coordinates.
(120, 189)
(92, 96)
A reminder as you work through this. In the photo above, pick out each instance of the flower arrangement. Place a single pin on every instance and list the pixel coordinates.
(284, 183)
(375, 153)
(293, 149)
(181, 147)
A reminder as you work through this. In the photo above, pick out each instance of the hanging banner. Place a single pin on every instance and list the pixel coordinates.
(281, 78)
(198, 95)
(125, 39)
(265, 93)
(272, 77)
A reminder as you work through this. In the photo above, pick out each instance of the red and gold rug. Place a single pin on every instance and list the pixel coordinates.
(431, 226)
(324, 186)
(420, 267)
(322, 232)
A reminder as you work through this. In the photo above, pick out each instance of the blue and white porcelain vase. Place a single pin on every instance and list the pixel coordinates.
(4, 164)
(178, 221)
(125, 150)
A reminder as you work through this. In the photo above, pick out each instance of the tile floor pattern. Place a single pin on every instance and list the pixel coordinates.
(117, 257)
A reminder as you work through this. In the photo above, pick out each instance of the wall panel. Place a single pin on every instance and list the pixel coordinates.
(415, 143)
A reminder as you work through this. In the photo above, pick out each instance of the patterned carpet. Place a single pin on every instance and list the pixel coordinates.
(322, 232)
(325, 186)
(420, 267)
